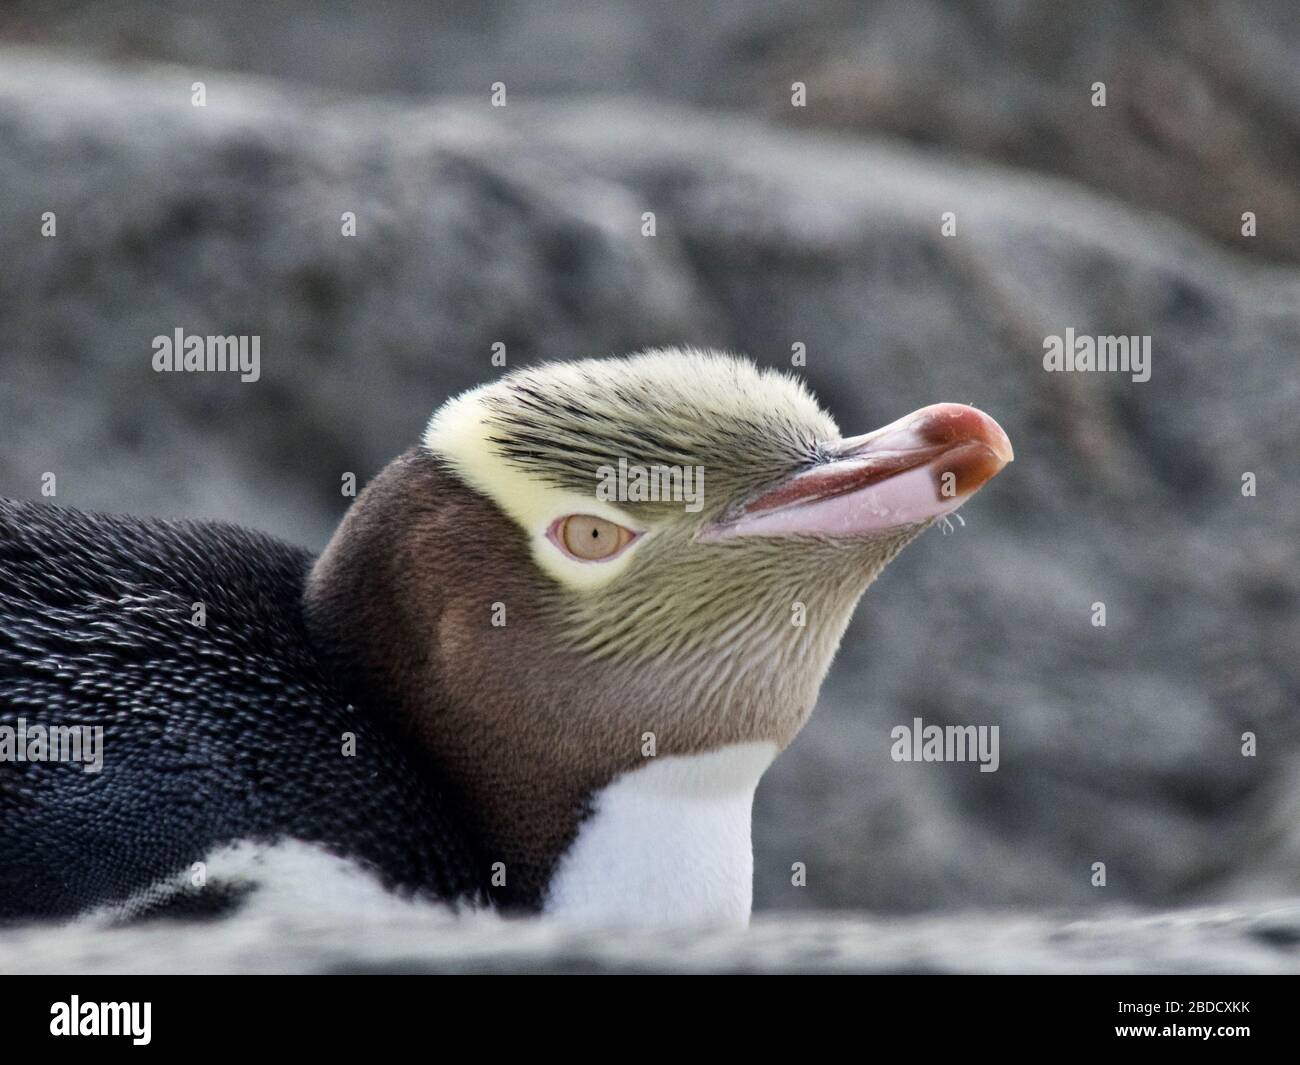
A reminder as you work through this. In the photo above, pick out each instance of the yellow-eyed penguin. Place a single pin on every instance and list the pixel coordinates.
(543, 662)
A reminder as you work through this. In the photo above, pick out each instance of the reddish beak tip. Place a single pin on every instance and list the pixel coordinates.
(909, 472)
(943, 425)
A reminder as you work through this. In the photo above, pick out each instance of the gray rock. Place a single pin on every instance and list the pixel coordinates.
(1202, 116)
(1119, 745)
(1256, 939)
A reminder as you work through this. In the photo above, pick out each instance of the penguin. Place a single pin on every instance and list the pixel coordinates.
(539, 668)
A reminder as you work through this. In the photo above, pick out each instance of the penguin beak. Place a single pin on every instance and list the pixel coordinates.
(911, 471)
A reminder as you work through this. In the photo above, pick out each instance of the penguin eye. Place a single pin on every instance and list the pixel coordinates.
(588, 538)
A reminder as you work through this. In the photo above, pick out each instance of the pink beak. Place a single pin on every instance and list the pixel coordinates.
(913, 470)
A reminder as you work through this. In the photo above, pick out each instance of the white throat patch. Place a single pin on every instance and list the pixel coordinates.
(666, 844)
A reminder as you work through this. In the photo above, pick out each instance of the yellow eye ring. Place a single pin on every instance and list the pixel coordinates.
(587, 538)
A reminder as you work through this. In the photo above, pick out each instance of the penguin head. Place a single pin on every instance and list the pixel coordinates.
(687, 510)
(582, 555)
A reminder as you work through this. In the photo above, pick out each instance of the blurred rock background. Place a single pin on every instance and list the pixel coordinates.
(776, 226)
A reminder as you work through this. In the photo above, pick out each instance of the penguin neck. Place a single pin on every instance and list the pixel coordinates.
(541, 754)
(667, 843)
